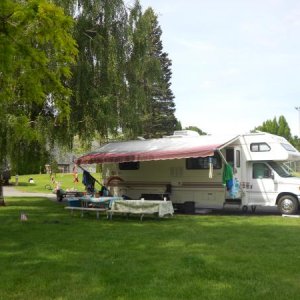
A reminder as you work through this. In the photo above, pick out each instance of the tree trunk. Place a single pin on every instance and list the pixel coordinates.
(2, 203)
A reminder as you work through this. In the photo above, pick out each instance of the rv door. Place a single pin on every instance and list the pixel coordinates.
(233, 157)
(263, 186)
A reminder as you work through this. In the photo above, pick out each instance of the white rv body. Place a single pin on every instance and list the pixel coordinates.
(257, 159)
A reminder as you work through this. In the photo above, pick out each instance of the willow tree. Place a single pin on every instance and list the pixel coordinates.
(119, 71)
(99, 82)
(36, 51)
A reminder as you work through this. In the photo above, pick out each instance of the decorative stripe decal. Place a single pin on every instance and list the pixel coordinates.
(163, 184)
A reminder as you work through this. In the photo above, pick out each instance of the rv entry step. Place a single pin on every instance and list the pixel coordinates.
(232, 203)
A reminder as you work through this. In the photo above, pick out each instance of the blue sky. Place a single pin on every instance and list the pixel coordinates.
(236, 63)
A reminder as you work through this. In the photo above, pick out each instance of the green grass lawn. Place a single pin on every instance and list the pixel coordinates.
(58, 256)
(65, 180)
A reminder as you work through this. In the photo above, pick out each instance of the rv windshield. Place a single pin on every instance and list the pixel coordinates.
(280, 169)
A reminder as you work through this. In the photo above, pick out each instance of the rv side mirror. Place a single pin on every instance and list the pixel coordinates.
(272, 175)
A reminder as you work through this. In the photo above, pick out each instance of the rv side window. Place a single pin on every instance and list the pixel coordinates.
(238, 158)
(288, 147)
(261, 170)
(259, 147)
(203, 162)
(131, 165)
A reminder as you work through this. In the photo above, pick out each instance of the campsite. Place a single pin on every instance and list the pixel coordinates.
(149, 150)
(220, 255)
(54, 255)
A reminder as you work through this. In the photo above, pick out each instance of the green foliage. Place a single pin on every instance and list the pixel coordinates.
(99, 88)
(29, 157)
(279, 127)
(194, 128)
(284, 129)
(118, 86)
(296, 142)
(37, 50)
(121, 73)
(150, 75)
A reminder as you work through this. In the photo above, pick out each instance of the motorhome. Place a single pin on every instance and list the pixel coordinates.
(244, 171)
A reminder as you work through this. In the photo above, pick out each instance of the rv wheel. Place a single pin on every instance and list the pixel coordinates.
(245, 208)
(288, 204)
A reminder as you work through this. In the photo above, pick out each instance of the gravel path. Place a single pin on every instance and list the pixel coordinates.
(10, 191)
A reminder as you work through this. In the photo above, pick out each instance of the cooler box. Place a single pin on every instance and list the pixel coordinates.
(74, 202)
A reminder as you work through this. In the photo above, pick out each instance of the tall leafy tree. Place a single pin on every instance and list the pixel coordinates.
(279, 127)
(150, 76)
(99, 83)
(36, 51)
(284, 129)
(270, 126)
(121, 82)
(100, 91)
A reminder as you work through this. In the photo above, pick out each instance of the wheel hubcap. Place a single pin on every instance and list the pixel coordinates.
(287, 204)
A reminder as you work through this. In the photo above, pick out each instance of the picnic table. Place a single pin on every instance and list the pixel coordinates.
(141, 207)
(98, 201)
(87, 203)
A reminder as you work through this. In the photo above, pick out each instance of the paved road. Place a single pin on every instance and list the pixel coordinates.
(10, 191)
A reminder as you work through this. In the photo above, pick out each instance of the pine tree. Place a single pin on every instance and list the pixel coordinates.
(149, 77)
(161, 119)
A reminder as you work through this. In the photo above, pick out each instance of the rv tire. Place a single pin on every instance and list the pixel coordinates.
(288, 204)
(245, 208)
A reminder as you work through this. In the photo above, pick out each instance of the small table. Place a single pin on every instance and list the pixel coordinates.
(105, 201)
(142, 207)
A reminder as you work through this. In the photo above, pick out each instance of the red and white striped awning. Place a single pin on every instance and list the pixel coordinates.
(174, 147)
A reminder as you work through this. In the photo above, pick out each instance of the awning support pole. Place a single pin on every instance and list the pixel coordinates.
(90, 174)
(222, 156)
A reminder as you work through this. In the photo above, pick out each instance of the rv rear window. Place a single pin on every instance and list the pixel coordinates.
(131, 165)
(203, 162)
(260, 147)
(288, 147)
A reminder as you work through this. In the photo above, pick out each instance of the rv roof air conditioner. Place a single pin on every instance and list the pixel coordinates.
(185, 133)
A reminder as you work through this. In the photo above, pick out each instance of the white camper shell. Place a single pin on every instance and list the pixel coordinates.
(188, 168)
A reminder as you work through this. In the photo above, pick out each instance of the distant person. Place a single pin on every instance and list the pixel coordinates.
(31, 180)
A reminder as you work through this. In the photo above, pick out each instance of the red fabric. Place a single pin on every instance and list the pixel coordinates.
(174, 147)
(108, 157)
